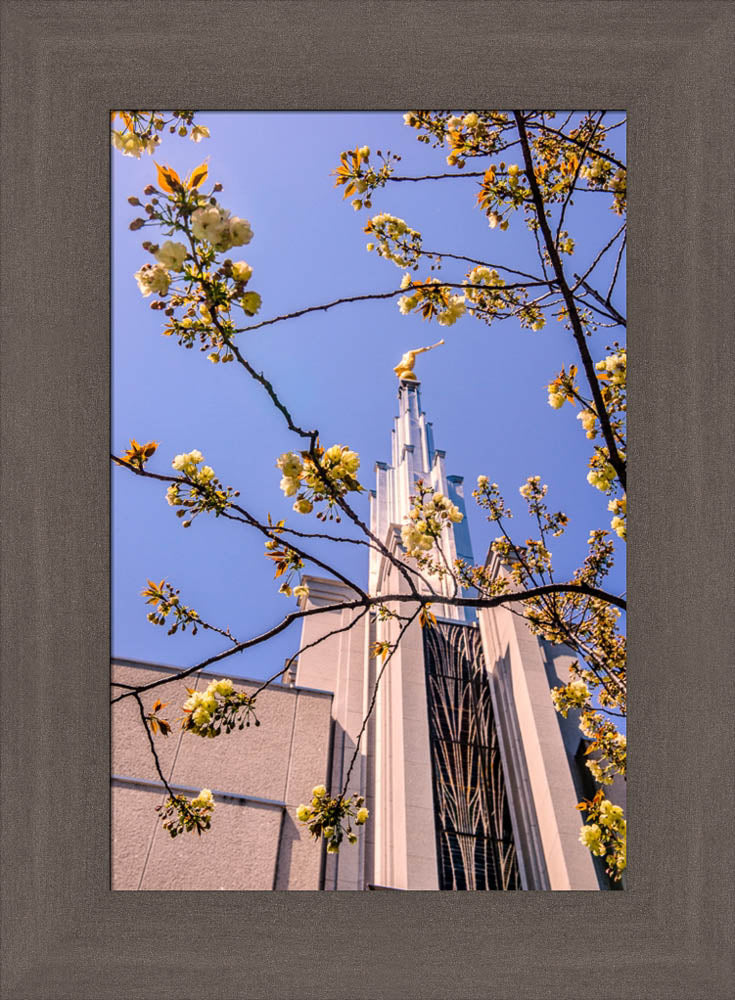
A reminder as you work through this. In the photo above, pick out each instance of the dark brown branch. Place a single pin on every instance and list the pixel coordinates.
(601, 254)
(377, 296)
(247, 644)
(272, 534)
(579, 335)
(249, 520)
(617, 268)
(483, 263)
(439, 177)
(368, 602)
(322, 308)
(267, 385)
(156, 760)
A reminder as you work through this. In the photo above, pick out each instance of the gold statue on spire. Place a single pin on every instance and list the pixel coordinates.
(404, 368)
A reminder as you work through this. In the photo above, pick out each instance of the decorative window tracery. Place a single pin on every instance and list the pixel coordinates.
(475, 845)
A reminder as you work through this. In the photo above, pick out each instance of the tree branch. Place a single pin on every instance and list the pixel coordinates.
(579, 335)
(368, 602)
(156, 760)
(613, 313)
(251, 521)
(576, 142)
(372, 701)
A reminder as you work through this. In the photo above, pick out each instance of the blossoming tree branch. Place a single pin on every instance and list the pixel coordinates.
(532, 166)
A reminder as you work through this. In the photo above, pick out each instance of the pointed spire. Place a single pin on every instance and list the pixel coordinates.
(413, 457)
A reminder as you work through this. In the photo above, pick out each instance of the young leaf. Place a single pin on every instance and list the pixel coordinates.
(197, 176)
(168, 179)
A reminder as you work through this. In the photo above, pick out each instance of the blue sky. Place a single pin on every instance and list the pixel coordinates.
(485, 390)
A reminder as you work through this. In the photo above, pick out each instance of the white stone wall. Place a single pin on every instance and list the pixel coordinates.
(540, 785)
(258, 775)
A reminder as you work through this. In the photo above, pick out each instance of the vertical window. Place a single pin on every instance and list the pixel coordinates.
(475, 846)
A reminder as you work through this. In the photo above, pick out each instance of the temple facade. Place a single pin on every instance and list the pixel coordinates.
(470, 775)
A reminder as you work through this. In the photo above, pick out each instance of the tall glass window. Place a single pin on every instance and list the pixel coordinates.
(475, 847)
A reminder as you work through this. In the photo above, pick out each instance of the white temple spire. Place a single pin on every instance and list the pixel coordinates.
(413, 457)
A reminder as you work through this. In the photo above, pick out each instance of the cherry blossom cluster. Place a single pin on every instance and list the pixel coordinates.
(489, 498)
(434, 299)
(605, 833)
(474, 133)
(287, 563)
(618, 523)
(331, 818)
(602, 473)
(575, 694)
(219, 708)
(141, 130)
(181, 815)
(430, 514)
(396, 240)
(310, 483)
(359, 177)
(199, 491)
(166, 601)
(488, 298)
(192, 283)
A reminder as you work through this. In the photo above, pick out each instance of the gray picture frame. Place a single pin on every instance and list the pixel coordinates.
(65, 65)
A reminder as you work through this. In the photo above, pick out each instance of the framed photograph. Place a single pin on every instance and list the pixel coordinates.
(301, 77)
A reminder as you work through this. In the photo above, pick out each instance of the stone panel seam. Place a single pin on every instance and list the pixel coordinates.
(170, 779)
(290, 752)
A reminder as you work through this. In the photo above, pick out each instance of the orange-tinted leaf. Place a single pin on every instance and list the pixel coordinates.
(168, 179)
(197, 176)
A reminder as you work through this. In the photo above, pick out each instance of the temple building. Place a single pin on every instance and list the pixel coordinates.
(470, 775)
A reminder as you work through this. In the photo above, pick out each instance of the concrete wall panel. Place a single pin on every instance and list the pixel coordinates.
(239, 852)
(308, 762)
(252, 761)
(250, 845)
(134, 822)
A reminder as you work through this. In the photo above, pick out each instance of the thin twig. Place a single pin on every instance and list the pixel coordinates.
(598, 258)
(614, 314)
(570, 192)
(567, 138)
(156, 760)
(617, 268)
(372, 701)
(310, 645)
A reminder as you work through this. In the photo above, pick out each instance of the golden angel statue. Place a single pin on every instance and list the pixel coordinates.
(404, 368)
